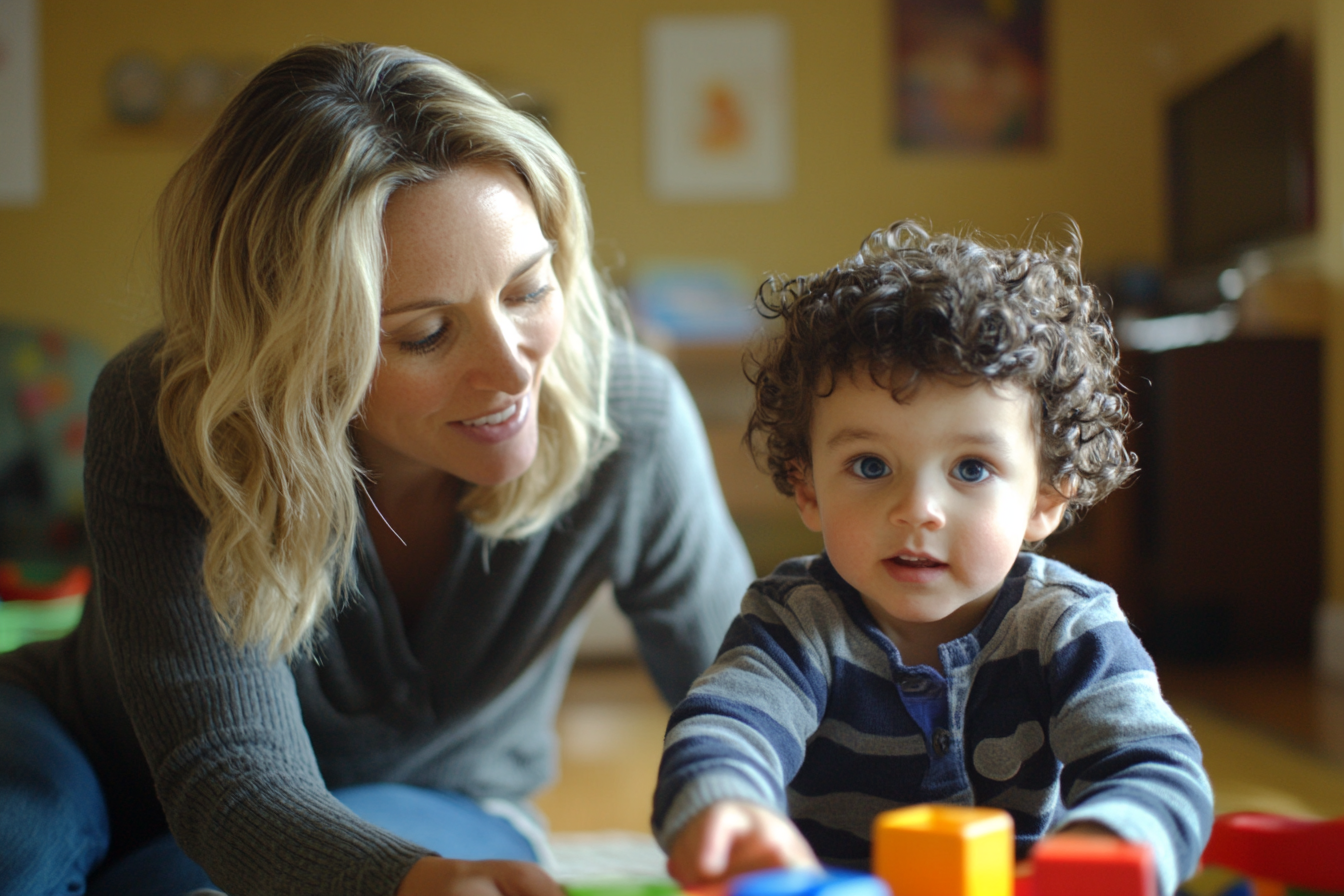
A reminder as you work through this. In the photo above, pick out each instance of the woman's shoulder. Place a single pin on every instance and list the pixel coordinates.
(646, 398)
(131, 377)
(123, 428)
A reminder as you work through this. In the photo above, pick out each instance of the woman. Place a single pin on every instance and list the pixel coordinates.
(347, 506)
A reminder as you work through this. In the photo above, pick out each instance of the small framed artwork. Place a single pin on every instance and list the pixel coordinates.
(969, 74)
(20, 104)
(718, 116)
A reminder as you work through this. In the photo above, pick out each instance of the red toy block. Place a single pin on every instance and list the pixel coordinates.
(1300, 853)
(1070, 864)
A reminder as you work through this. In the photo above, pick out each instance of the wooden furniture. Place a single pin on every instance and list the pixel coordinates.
(1216, 547)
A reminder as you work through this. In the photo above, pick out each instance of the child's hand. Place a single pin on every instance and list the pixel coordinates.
(732, 837)
(1088, 829)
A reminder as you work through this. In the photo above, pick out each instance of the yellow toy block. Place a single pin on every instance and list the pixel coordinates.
(932, 850)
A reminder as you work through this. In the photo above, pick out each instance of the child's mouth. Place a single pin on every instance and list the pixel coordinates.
(912, 568)
(916, 561)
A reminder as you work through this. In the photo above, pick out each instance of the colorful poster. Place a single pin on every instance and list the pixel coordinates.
(718, 108)
(20, 106)
(970, 74)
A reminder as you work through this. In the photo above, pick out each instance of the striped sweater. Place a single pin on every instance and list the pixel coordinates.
(1049, 709)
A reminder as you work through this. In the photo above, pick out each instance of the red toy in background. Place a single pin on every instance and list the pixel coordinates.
(40, 601)
(42, 581)
(1294, 852)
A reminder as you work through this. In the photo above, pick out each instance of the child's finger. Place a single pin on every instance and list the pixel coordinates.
(723, 827)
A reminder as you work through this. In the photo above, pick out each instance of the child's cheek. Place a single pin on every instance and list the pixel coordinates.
(988, 551)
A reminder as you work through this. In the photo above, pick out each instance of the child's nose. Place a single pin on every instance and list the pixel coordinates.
(917, 506)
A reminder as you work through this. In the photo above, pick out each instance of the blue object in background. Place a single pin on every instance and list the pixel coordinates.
(694, 302)
(793, 882)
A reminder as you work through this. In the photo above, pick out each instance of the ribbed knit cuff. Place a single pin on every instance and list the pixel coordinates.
(1136, 825)
(699, 793)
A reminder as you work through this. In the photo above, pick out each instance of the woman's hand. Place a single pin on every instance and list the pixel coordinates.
(732, 837)
(434, 876)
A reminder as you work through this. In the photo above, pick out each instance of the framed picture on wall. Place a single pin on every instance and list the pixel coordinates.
(969, 74)
(718, 107)
(20, 104)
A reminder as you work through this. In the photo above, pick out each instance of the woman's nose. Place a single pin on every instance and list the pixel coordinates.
(916, 505)
(500, 363)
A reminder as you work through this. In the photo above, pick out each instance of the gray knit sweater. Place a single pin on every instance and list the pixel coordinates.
(241, 752)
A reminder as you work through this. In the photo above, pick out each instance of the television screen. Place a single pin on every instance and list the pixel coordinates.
(1241, 157)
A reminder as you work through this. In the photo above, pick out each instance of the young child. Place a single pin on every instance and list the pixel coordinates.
(934, 405)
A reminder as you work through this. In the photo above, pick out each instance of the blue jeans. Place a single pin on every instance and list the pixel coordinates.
(54, 831)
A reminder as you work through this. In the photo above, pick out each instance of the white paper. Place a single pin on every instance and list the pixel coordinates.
(20, 104)
(718, 107)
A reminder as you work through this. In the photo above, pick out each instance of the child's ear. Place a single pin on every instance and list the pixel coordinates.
(805, 496)
(1051, 502)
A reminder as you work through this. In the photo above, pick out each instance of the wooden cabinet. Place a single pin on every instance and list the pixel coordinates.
(1216, 547)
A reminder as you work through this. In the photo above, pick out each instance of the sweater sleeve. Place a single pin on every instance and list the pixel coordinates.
(1129, 762)
(221, 729)
(681, 567)
(742, 732)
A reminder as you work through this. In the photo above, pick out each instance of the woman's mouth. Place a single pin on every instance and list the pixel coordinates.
(499, 426)
(500, 417)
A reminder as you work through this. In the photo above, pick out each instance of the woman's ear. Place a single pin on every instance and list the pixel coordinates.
(805, 496)
(1051, 502)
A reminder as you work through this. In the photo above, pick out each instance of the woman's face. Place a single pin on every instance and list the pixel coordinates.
(471, 311)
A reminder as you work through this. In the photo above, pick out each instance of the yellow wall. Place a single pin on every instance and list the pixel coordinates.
(79, 260)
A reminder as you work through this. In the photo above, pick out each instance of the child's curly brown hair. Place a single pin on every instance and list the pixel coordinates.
(910, 305)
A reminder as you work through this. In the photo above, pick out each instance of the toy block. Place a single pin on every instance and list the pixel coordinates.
(1023, 882)
(799, 882)
(1070, 864)
(1296, 852)
(934, 850)
(1263, 886)
(1214, 880)
(620, 888)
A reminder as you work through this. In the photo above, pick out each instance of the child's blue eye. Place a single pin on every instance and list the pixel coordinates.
(971, 471)
(869, 468)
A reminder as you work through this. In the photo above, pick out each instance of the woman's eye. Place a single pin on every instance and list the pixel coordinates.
(971, 471)
(427, 344)
(537, 294)
(870, 468)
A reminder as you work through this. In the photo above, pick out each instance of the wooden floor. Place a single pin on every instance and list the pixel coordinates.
(611, 727)
(1273, 739)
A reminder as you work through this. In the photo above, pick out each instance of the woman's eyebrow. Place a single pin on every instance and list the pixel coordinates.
(526, 265)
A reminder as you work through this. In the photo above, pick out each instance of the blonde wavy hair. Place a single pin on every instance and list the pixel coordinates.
(271, 260)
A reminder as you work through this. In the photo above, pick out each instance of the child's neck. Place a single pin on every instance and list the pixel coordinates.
(918, 642)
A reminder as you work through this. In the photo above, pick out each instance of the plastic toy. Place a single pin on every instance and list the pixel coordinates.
(778, 882)
(39, 601)
(1071, 864)
(1213, 880)
(638, 888)
(1298, 853)
(931, 850)
(831, 882)
(42, 581)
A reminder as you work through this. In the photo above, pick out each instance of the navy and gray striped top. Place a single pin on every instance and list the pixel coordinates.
(1049, 709)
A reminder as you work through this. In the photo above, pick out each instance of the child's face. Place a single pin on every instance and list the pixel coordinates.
(924, 505)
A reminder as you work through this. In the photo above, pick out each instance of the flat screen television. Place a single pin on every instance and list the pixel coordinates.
(1240, 157)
